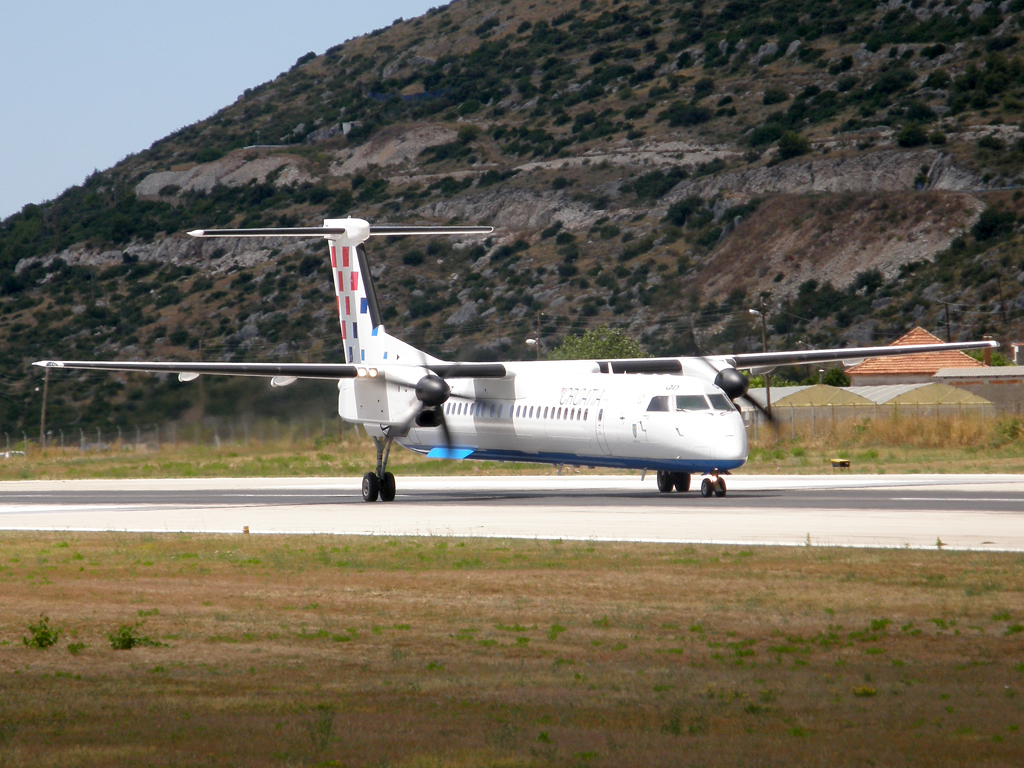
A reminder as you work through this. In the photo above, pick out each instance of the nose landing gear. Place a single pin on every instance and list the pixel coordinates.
(715, 485)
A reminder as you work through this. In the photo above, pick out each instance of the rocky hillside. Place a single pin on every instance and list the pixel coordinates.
(659, 166)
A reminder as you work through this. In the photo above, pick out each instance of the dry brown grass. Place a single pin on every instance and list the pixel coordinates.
(908, 444)
(446, 652)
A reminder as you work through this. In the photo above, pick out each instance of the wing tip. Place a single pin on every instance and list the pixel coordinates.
(197, 232)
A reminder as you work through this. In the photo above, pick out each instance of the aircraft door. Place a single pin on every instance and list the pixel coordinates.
(601, 439)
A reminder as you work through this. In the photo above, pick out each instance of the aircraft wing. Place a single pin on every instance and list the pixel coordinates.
(849, 355)
(766, 361)
(279, 370)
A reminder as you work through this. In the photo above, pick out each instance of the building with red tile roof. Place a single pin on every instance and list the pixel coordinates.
(909, 369)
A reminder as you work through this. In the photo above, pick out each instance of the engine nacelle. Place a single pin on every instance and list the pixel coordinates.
(428, 417)
(732, 382)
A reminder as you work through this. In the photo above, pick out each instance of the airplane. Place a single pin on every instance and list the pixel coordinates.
(676, 416)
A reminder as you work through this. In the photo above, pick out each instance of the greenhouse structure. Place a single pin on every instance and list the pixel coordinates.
(819, 405)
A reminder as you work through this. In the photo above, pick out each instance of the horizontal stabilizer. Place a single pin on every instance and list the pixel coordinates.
(386, 231)
(271, 232)
(359, 230)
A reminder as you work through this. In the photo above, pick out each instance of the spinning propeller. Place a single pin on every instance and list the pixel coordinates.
(735, 386)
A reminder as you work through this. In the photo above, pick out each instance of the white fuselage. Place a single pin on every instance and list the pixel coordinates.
(564, 413)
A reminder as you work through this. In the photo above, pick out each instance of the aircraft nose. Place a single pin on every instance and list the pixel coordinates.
(732, 446)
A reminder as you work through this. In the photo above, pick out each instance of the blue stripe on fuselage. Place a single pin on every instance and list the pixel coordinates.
(693, 466)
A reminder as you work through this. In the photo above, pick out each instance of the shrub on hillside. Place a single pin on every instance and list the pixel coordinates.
(792, 144)
(680, 114)
(912, 136)
(993, 223)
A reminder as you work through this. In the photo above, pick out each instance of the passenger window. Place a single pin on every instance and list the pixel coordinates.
(493, 409)
(501, 407)
(545, 412)
(691, 403)
(659, 403)
(531, 411)
(585, 413)
(720, 402)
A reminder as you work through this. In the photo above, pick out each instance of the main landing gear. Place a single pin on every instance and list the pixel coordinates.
(669, 480)
(381, 483)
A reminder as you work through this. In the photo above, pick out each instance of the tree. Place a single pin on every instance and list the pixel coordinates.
(792, 144)
(912, 136)
(598, 343)
(836, 377)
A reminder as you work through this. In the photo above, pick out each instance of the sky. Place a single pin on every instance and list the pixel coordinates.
(83, 85)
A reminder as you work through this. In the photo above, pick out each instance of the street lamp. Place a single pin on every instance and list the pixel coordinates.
(534, 343)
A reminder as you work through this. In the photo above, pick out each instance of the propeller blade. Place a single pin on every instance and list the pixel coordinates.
(720, 374)
(403, 427)
(444, 429)
(758, 407)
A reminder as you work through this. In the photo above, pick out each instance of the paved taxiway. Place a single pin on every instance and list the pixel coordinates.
(964, 511)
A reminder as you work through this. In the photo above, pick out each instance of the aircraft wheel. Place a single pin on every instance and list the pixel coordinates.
(681, 480)
(371, 487)
(387, 488)
(706, 487)
(665, 481)
(720, 487)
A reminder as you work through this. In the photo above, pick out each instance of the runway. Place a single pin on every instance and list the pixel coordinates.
(984, 512)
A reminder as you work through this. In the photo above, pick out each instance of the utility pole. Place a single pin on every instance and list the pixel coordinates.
(538, 335)
(536, 342)
(764, 348)
(42, 418)
(202, 391)
(1002, 304)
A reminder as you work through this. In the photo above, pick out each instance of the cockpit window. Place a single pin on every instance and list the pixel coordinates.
(720, 403)
(659, 403)
(691, 403)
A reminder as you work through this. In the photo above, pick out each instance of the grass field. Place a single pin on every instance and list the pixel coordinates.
(353, 651)
(909, 446)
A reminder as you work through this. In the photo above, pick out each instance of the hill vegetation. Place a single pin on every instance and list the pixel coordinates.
(657, 167)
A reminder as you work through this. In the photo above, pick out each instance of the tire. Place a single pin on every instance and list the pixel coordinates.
(706, 487)
(681, 480)
(371, 487)
(665, 481)
(387, 488)
(720, 487)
